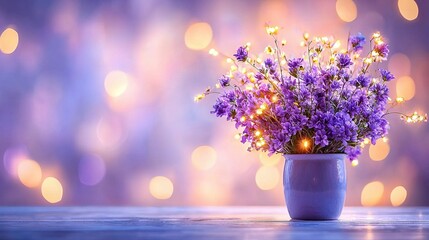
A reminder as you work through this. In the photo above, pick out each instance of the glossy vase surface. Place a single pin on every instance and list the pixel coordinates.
(314, 185)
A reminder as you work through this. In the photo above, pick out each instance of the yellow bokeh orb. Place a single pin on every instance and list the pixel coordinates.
(267, 177)
(161, 187)
(9, 41)
(379, 151)
(372, 193)
(29, 173)
(52, 190)
(405, 88)
(408, 9)
(116, 83)
(346, 10)
(198, 36)
(204, 157)
(398, 196)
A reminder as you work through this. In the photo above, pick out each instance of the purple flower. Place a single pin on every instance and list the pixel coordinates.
(335, 85)
(362, 81)
(386, 75)
(224, 81)
(381, 93)
(225, 105)
(241, 54)
(295, 64)
(270, 65)
(382, 50)
(356, 42)
(343, 61)
(352, 152)
(309, 78)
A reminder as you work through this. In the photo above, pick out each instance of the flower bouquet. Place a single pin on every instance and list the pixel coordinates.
(326, 103)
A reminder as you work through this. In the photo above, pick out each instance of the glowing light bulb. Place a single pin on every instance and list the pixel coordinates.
(305, 143)
(355, 162)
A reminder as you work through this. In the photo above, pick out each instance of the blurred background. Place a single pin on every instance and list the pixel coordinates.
(96, 101)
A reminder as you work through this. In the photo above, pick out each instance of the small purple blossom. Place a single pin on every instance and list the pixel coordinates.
(295, 64)
(224, 81)
(362, 81)
(357, 42)
(386, 75)
(270, 65)
(241, 54)
(343, 61)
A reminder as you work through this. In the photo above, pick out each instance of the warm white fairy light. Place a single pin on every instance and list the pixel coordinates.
(415, 118)
(400, 100)
(213, 52)
(306, 36)
(199, 97)
(355, 162)
(272, 30)
(269, 50)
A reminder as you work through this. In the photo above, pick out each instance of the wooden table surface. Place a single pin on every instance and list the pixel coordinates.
(260, 223)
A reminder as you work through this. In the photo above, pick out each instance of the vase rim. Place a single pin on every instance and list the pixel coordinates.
(315, 156)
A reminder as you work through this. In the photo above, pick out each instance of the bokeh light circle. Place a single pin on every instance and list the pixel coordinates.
(204, 157)
(29, 173)
(198, 35)
(52, 190)
(161, 187)
(9, 41)
(398, 196)
(267, 177)
(372, 193)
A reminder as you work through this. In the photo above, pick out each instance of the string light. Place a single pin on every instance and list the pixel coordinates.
(415, 118)
(368, 60)
(306, 36)
(272, 30)
(257, 133)
(237, 136)
(198, 97)
(355, 162)
(269, 50)
(213, 52)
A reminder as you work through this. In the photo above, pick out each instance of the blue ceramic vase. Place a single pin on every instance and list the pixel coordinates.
(314, 185)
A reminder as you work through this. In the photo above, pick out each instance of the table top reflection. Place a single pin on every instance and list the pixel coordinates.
(207, 223)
